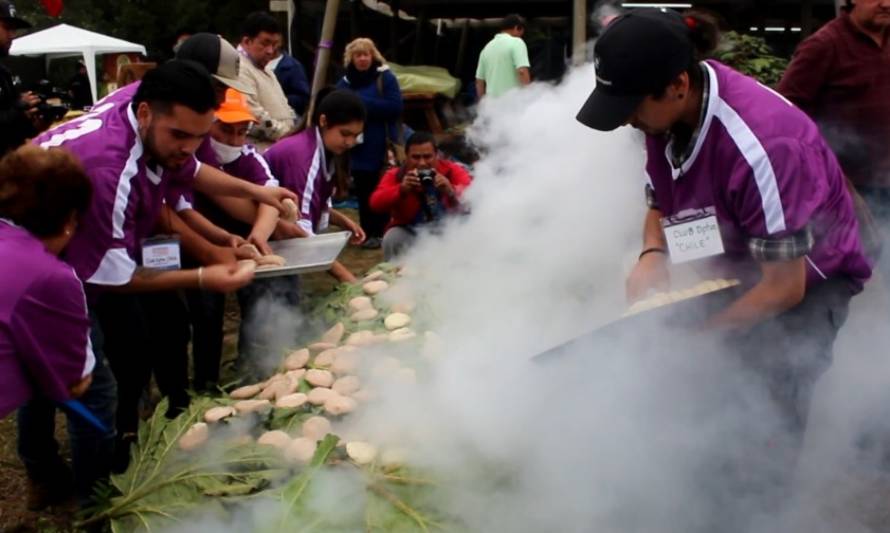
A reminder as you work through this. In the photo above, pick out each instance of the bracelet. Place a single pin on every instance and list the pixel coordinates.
(651, 251)
(201, 278)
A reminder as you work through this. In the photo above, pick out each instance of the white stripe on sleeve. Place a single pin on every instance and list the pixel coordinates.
(764, 175)
(115, 269)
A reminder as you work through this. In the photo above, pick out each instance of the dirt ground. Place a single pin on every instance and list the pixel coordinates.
(14, 517)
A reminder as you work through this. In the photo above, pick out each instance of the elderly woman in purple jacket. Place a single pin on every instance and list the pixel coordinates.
(44, 327)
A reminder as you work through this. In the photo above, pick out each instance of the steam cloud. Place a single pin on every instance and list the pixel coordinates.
(643, 434)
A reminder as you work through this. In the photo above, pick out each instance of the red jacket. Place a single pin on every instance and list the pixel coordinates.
(403, 209)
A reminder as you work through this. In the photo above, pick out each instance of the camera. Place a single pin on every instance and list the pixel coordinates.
(52, 106)
(427, 176)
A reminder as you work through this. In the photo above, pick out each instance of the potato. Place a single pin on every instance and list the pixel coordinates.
(402, 334)
(363, 395)
(278, 439)
(346, 385)
(335, 334)
(403, 307)
(319, 395)
(361, 452)
(364, 315)
(291, 213)
(316, 427)
(338, 404)
(246, 265)
(373, 276)
(360, 338)
(379, 338)
(253, 251)
(325, 359)
(252, 406)
(271, 260)
(295, 375)
(248, 391)
(292, 401)
(375, 287)
(318, 347)
(194, 437)
(396, 321)
(300, 450)
(319, 378)
(344, 363)
(279, 388)
(215, 414)
(386, 367)
(360, 303)
(297, 359)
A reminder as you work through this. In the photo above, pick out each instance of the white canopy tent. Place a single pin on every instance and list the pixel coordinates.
(69, 41)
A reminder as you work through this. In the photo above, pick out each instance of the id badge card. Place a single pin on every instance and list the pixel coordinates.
(161, 253)
(693, 234)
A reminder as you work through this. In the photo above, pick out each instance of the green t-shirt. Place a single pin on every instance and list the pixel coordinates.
(499, 61)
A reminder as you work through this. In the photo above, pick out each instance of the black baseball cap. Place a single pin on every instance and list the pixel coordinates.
(8, 15)
(637, 55)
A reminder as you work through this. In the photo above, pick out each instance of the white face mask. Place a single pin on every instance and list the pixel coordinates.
(225, 153)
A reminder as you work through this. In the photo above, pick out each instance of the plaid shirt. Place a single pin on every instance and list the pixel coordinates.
(785, 248)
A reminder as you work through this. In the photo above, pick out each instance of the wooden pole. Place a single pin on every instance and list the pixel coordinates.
(354, 15)
(579, 32)
(324, 51)
(462, 48)
(393, 54)
(418, 38)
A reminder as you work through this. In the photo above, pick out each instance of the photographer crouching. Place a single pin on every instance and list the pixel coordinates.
(17, 110)
(420, 193)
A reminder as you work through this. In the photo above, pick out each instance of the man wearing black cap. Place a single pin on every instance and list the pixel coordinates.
(740, 184)
(16, 124)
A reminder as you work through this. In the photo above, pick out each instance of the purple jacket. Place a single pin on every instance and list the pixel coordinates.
(44, 326)
(300, 164)
(762, 164)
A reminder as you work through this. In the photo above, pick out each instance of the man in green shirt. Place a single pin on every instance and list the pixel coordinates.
(503, 63)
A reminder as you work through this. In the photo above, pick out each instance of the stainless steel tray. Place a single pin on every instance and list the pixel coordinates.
(312, 254)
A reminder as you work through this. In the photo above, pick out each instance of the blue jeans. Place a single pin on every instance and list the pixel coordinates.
(91, 451)
(878, 201)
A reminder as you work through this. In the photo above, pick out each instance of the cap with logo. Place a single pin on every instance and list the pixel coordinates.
(234, 109)
(637, 56)
(8, 15)
(218, 56)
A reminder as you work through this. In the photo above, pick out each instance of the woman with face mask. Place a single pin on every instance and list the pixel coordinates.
(740, 184)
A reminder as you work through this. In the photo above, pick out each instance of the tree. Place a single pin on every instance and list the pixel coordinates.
(153, 23)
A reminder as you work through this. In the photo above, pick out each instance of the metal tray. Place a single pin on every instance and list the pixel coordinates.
(310, 254)
(675, 316)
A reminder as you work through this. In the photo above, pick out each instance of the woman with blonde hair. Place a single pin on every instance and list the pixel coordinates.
(368, 75)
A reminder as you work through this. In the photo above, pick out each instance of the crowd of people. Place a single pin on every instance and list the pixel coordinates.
(123, 228)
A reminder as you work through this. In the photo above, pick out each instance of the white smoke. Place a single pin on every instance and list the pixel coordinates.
(644, 434)
(647, 433)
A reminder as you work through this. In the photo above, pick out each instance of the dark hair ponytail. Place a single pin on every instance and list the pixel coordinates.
(704, 33)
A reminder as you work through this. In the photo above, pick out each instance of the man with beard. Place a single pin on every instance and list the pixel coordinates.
(138, 154)
(15, 108)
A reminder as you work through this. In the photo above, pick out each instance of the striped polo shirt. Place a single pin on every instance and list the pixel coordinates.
(128, 191)
(763, 166)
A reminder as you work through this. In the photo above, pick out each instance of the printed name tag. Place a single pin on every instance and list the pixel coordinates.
(693, 235)
(161, 253)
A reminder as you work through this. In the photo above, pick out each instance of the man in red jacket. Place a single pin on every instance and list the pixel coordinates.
(419, 193)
